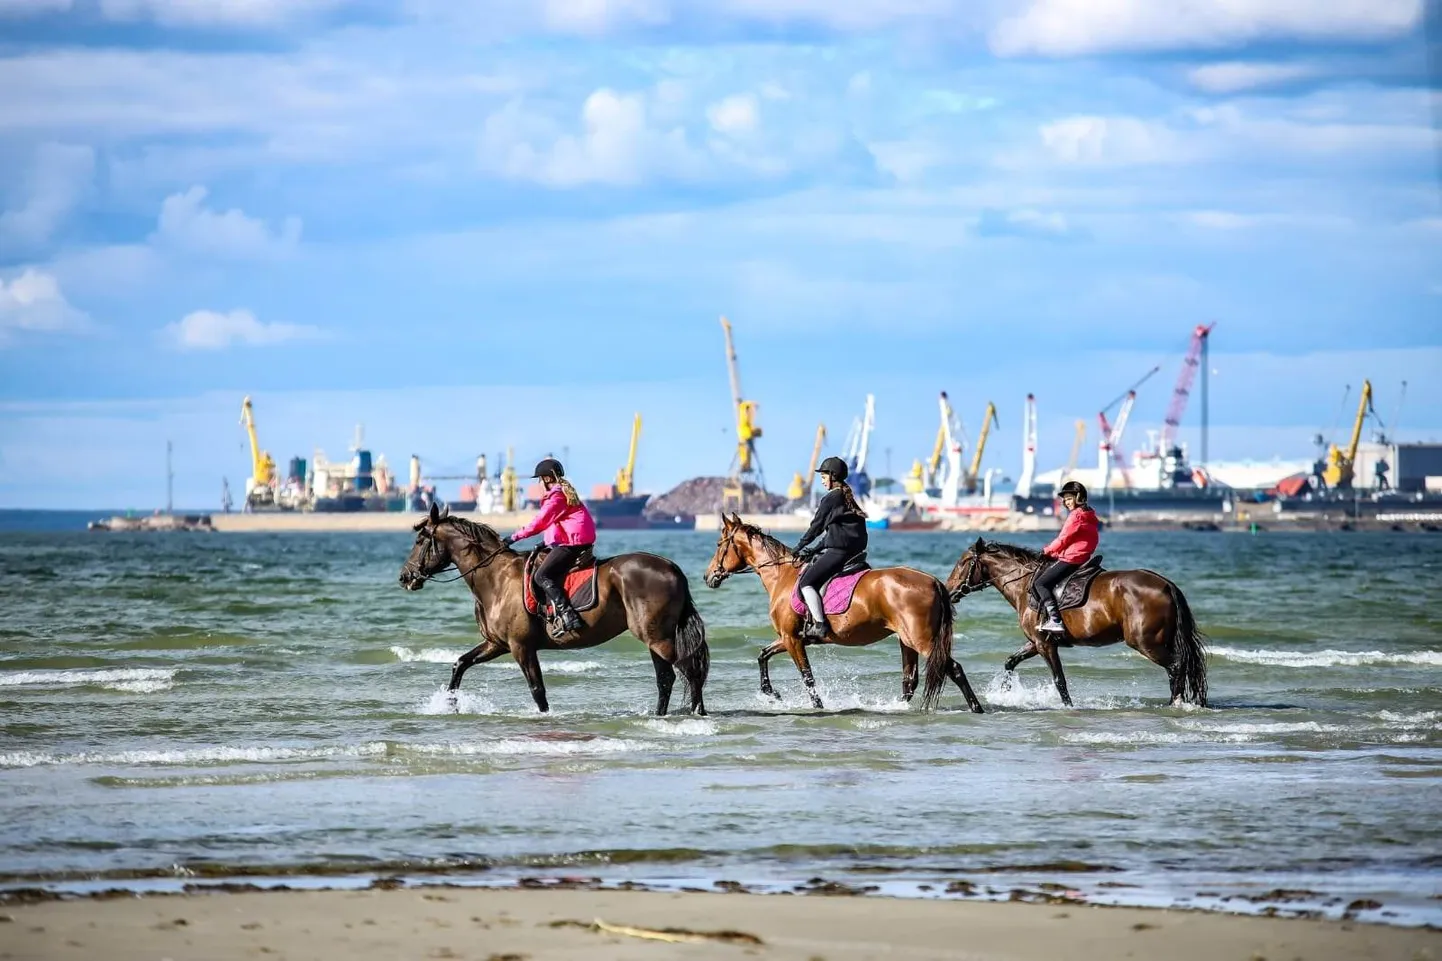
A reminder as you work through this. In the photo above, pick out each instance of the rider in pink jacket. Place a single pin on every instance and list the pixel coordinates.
(569, 529)
(1072, 547)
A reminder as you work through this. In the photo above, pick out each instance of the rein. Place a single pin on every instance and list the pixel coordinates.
(462, 574)
(730, 544)
(968, 588)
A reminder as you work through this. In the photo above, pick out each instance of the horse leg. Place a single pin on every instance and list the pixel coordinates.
(797, 650)
(480, 654)
(1052, 656)
(531, 667)
(1027, 650)
(665, 678)
(762, 661)
(909, 671)
(959, 676)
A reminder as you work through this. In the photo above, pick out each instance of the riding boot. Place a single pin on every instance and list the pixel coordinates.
(566, 620)
(815, 629)
(1053, 624)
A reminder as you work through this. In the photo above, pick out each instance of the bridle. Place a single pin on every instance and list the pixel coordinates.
(967, 587)
(431, 536)
(728, 544)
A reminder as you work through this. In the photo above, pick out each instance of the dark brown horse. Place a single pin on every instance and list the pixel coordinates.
(1140, 607)
(643, 593)
(890, 600)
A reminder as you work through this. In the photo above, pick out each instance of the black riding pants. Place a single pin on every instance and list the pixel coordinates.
(550, 576)
(824, 567)
(1044, 583)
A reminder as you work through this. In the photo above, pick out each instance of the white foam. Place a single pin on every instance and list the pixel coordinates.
(1280, 727)
(1427, 719)
(103, 677)
(455, 702)
(681, 726)
(1012, 690)
(556, 667)
(428, 655)
(1102, 738)
(537, 746)
(873, 724)
(219, 754)
(1329, 658)
(140, 687)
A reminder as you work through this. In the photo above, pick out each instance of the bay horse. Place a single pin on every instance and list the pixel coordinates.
(889, 600)
(643, 593)
(1140, 607)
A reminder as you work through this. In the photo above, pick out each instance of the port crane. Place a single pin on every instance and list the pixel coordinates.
(1341, 464)
(625, 477)
(260, 486)
(1111, 443)
(1028, 448)
(802, 486)
(858, 445)
(745, 465)
(1076, 446)
(951, 437)
(988, 420)
(1196, 352)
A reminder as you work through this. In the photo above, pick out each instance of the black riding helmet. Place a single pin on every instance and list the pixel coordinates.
(834, 466)
(1073, 487)
(549, 466)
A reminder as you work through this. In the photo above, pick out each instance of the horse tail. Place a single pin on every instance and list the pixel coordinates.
(938, 662)
(693, 655)
(1189, 653)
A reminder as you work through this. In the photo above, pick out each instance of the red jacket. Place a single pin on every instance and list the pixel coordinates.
(1078, 538)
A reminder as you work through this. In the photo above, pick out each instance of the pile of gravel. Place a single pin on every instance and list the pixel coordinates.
(702, 495)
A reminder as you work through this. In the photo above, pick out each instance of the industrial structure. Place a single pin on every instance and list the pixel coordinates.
(745, 465)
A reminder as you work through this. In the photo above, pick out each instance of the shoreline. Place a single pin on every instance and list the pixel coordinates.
(387, 920)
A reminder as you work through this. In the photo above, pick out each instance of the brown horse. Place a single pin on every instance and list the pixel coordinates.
(1140, 607)
(643, 593)
(899, 600)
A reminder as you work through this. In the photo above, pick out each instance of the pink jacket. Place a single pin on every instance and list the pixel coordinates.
(562, 523)
(1078, 538)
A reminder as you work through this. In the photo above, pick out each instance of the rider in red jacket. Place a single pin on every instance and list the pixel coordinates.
(1071, 548)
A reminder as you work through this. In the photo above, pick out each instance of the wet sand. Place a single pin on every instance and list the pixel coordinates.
(512, 925)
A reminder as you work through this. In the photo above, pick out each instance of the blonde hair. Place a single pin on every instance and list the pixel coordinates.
(572, 498)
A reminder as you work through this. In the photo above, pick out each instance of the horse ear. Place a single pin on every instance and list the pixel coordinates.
(735, 519)
(446, 511)
(979, 546)
(435, 512)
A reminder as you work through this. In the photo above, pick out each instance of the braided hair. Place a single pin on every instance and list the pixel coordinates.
(852, 507)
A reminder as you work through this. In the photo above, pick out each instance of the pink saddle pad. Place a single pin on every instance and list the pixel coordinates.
(836, 598)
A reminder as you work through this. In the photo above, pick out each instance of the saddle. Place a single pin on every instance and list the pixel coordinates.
(1072, 592)
(836, 592)
(580, 584)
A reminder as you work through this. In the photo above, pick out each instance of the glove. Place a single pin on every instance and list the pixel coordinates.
(508, 540)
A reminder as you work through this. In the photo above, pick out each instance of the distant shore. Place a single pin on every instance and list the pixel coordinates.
(440, 922)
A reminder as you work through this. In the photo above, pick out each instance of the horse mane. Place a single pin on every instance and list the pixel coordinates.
(1015, 552)
(471, 530)
(768, 543)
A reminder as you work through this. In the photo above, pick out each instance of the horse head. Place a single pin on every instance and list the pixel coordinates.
(729, 557)
(969, 574)
(431, 552)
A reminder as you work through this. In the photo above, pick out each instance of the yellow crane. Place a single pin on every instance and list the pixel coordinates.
(1340, 463)
(510, 483)
(747, 465)
(261, 485)
(1076, 446)
(801, 486)
(987, 420)
(626, 475)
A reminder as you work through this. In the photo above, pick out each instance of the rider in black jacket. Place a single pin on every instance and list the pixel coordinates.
(841, 523)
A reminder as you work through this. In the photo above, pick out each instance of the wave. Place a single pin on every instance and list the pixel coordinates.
(219, 754)
(1329, 658)
(137, 680)
(530, 746)
(681, 726)
(439, 655)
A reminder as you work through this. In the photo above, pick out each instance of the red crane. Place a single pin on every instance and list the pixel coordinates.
(1183, 390)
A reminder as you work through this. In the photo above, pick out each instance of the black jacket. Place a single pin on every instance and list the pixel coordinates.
(842, 528)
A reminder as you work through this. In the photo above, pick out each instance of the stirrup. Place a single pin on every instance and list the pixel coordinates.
(814, 630)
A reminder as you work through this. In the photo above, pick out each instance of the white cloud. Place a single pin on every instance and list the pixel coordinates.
(59, 176)
(615, 145)
(593, 17)
(1235, 76)
(1111, 141)
(188, 225)
(734, 115)
(34, 302)
(230, 13)
(1060, 28)
(212, 330)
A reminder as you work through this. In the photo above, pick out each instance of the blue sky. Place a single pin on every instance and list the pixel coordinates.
(470, 225)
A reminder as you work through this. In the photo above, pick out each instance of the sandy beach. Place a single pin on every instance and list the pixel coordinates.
(492, 925)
